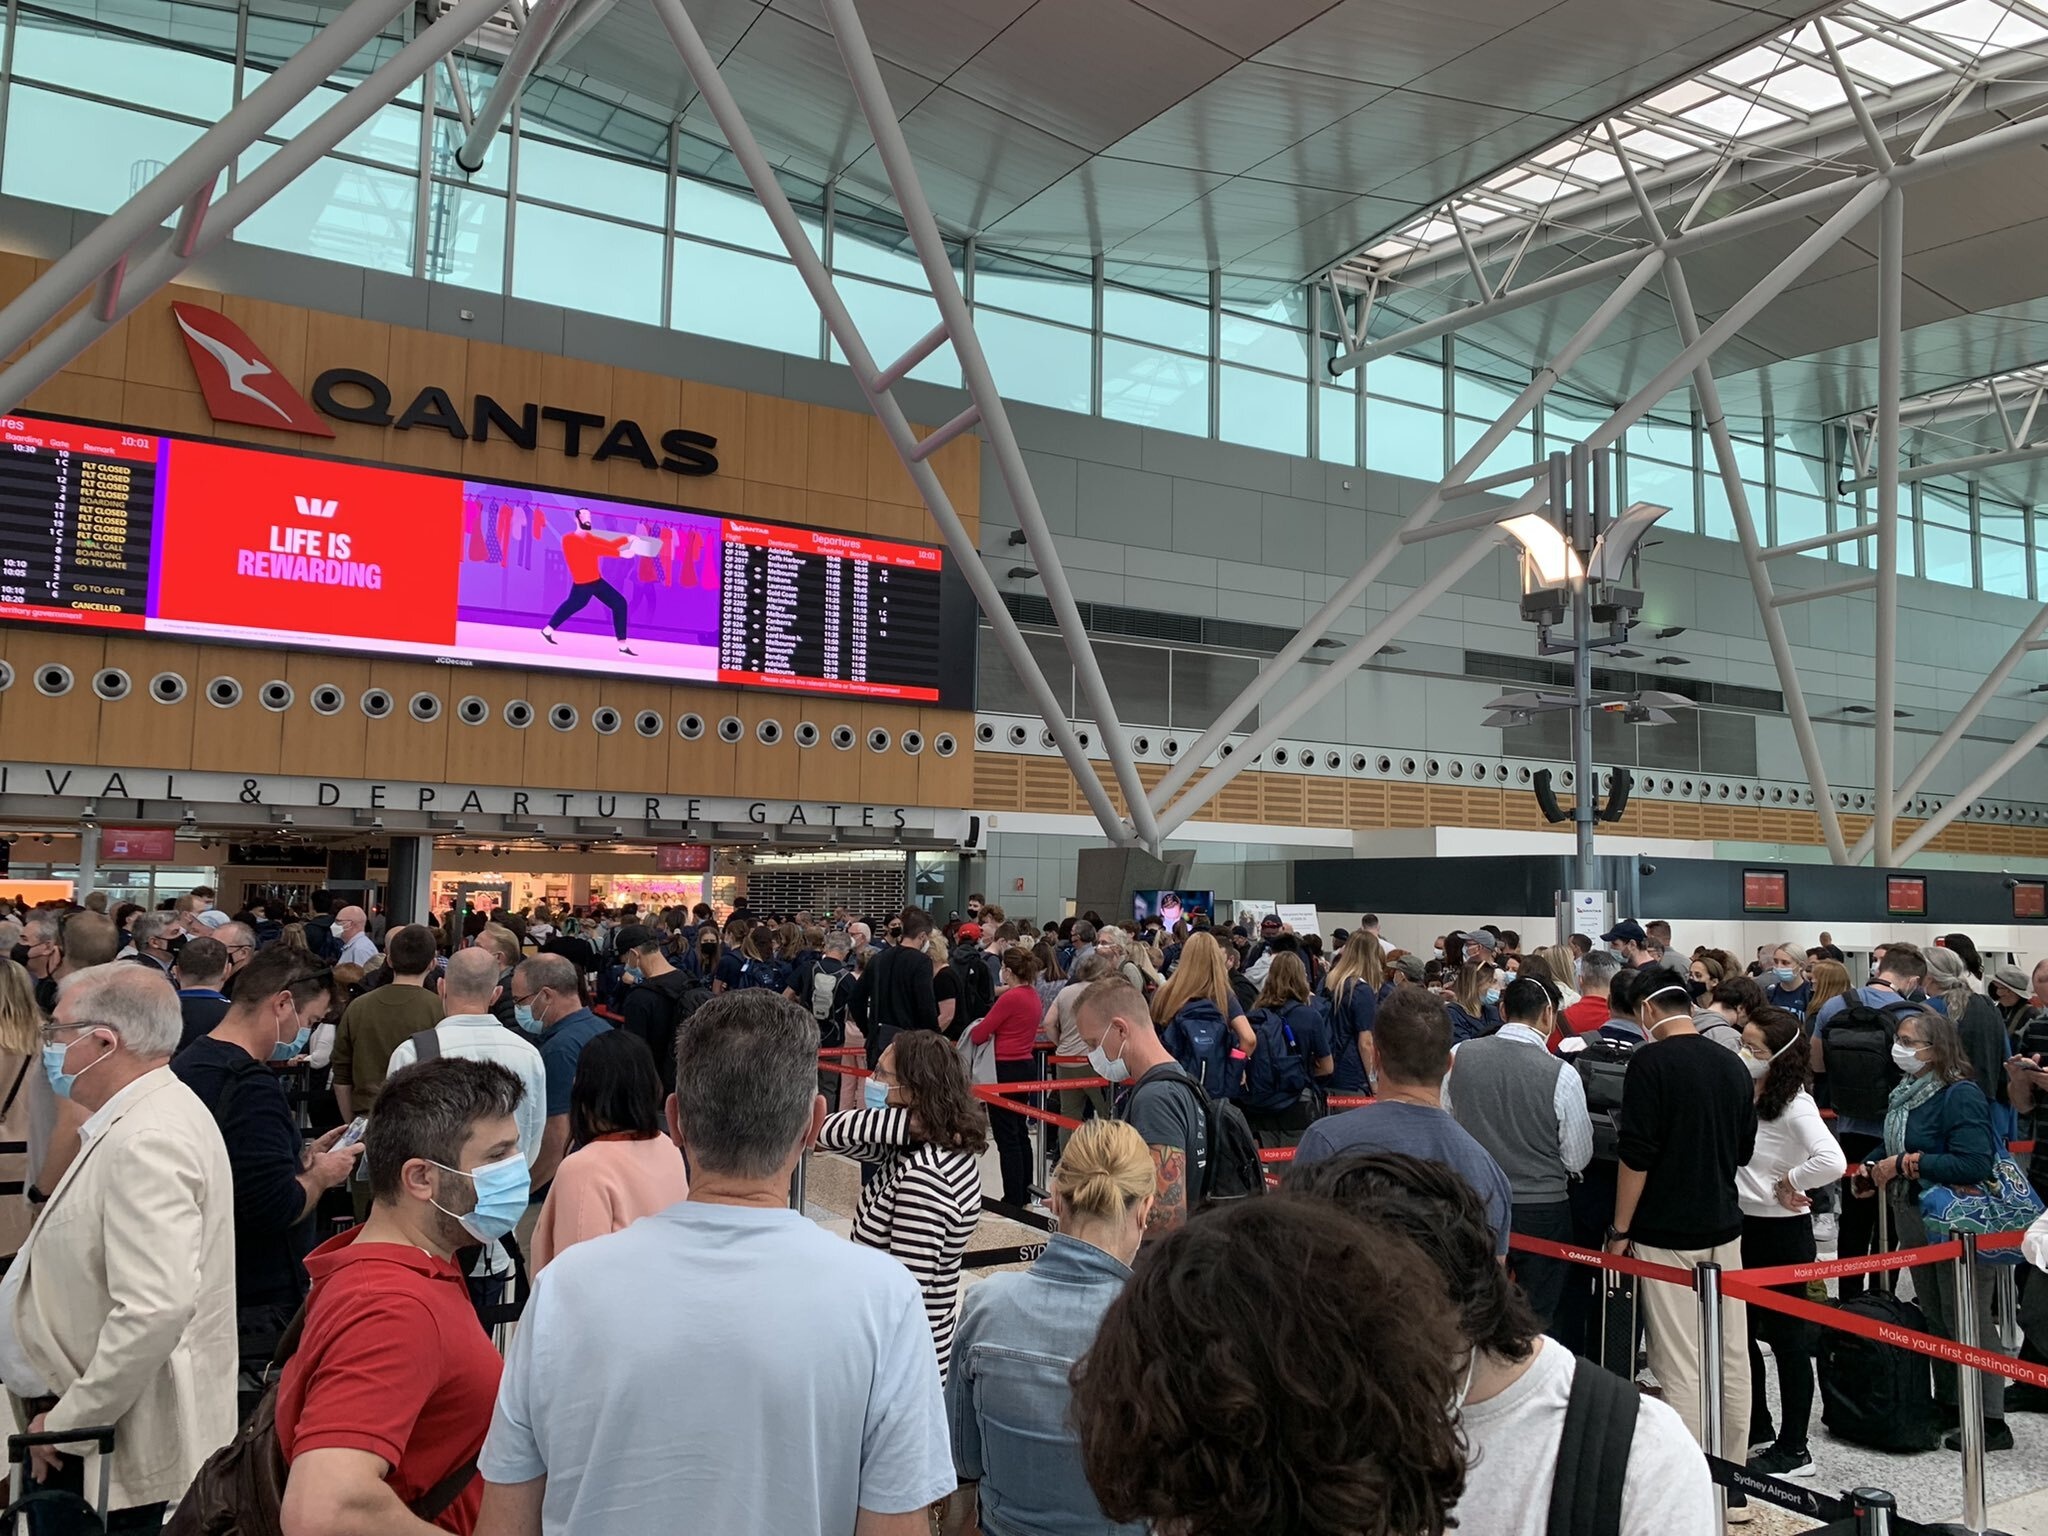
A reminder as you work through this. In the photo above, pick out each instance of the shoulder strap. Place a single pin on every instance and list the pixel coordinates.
(426, 1046)
(1592, 1458)
(432, 1504)
(11, 1092)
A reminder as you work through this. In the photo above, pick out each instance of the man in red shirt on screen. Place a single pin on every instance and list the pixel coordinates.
(586, 551)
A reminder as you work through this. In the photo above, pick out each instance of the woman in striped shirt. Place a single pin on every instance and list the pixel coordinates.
(927, 1131)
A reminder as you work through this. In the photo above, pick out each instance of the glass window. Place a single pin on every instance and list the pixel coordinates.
(1404, 439)
(1154, 388)
(450, 135)
(586, 264)
(1044, 364)
(1799, 473)
(891, 320)
(719, 213)
(1477, 395)
(1749, 459)
(1517, 451)
(1039, 291)
(1264, 411)
(1666, 485)
(1802, 517)
(1148, 317)
(1406, 378)
(1666, 440)
(1948, 554)
(391, 137)
(2005, 567)
(109, 153)
(1264, 346)
(592, 182)
(466, 238)
(1951, 510)
(877, 250)
(1716, 521)
(340, 211)
(1337, 425)
(139, 71)
(743, 298)
(1567, 422)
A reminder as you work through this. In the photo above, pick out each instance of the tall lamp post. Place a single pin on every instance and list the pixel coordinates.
(1575, 556)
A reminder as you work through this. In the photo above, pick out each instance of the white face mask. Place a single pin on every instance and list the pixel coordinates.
(1759, 1066)
(1116, 1069)
(1907, 1060)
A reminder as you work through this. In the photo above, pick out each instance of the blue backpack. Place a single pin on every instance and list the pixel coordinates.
(1200, 1040)
(1279, 1072)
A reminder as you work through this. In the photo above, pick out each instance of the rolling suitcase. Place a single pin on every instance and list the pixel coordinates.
(35, 1509)
(1874, 1394)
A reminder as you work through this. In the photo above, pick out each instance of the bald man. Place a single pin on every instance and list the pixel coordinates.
(357, 947)
(469, 988)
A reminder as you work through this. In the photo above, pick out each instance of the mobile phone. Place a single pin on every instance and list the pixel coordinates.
(354, 1133)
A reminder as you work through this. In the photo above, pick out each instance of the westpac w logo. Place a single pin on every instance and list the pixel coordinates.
(313, 506)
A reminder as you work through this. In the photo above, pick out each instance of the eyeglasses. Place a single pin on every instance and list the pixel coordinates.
(51, 1031)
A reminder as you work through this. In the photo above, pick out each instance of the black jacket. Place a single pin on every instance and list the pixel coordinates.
(652, 1009)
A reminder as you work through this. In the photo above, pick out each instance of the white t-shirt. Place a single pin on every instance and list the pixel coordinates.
(1514, 1439)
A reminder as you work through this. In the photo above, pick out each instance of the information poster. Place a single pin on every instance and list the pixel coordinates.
(1302, 919)
(1252, 913)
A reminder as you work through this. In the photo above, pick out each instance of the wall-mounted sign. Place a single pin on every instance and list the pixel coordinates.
(683, 859)
(137, 845)
(1905, 896)
(2029, 899)
(1766, 890)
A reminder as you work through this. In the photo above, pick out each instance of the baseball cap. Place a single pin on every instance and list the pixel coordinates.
(213, 917)
(1270, 920)
(1482, 938)
(1410, 966)
(970, 931)
(636, 936)
(2014, 980)
(1627, 931)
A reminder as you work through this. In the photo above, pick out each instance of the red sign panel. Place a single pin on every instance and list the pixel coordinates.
(1764, 890)
(2030, 899)
(1905, 896)
(138, 845)
(683, 859)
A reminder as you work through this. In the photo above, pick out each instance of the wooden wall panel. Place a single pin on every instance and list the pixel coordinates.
(567, 758)
(141, 731)
(769, 772)
(401, 747)
(327, 746)
(891, 776)
(243, 737)
(703, 767)
(838, 452)
(493, 752)
(943, 780)
(626, 760)
(59, 730)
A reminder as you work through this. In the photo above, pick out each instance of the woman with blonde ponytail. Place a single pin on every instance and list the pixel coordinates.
(1021, 1333)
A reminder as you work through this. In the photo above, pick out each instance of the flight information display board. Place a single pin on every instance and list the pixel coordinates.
(113, 529)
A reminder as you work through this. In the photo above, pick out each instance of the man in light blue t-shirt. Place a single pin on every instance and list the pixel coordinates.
(725, 1366)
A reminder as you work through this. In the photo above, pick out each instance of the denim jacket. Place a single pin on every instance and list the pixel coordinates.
(1008, 1398)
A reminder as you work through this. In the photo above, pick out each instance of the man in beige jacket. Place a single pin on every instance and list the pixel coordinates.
(120, 1308)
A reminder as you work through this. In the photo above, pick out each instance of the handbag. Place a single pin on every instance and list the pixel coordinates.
(977, 1061)
(2005, 1202)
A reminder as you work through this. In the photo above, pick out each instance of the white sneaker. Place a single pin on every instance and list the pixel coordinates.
(1827, 1228)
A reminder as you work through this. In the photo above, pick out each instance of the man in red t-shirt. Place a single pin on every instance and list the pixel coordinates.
(382, 1409)
(1596, 974)
(585, 553)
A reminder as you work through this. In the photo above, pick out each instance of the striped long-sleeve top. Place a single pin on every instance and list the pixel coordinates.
(922, 1207)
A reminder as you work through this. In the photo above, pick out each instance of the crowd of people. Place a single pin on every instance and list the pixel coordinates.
(290, 1171)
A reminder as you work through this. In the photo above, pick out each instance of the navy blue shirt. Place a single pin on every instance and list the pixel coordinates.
(1417, 1130)
(248, 1104)
(1352, 1014)
(561, 1047)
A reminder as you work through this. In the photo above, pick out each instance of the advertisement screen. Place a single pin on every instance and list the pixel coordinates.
(1172, 907)
(110, 529)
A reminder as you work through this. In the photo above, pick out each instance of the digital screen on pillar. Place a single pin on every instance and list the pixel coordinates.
(1172, 907)
(2029, 899)
(105, 528)
(1765, 890)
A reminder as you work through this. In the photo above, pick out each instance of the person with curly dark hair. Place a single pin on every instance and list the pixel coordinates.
(1522, 1383)
(925, 1130)
(1232, 1392)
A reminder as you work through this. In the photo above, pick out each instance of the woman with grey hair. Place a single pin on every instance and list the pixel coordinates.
(1975, 1016)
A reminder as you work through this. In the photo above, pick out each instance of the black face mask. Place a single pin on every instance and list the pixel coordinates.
(19, 954)
(177, 944)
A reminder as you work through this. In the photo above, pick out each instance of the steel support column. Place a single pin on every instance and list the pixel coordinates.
(2007, 760)
(1753, 560)
(703, 68)
(1964, 719)
(894, 150)
(542, 22)
(170, 255)
(136, 221)
(1345, 596)
(1891, 287)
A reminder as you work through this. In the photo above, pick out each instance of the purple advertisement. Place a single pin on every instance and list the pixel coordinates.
(578, 581)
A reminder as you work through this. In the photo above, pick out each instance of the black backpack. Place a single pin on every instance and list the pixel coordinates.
(1875, 1394)
(977, 990)
(1279, 1073)
(1231, 1169)
(1856, 1050)
(1603, 1068)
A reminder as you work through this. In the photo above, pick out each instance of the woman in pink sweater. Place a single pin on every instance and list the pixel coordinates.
(621, 1166)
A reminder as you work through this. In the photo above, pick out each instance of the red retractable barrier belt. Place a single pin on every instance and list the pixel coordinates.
(1599, 1260)
(1830, 1269)
(1043, 1085)
(1919, 1343)
(992, 1093)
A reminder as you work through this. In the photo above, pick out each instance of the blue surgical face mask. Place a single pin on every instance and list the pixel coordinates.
(1493, 994)
(1786, 975)
(502, 1192)
(523, 1015)
(875, 1093)
(53, 1066)
(285, 1050)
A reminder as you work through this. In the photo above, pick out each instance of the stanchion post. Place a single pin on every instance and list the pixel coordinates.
(1707, 1287)
(1969, 1385)
(1876, 1511)
(1041, 1143)
(798, 1180)
(2006, 1279)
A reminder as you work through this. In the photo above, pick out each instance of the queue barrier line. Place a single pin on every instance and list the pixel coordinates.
(1045, 1085)
(1618, 1262)
(988, 1094)
(1832, 1269)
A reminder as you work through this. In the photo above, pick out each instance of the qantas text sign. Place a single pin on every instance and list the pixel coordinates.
(305, 546)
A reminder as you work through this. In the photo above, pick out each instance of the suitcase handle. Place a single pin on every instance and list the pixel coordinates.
(101, 1438)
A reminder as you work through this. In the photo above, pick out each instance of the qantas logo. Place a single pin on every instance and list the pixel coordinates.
(238, 381)
(313, 506)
